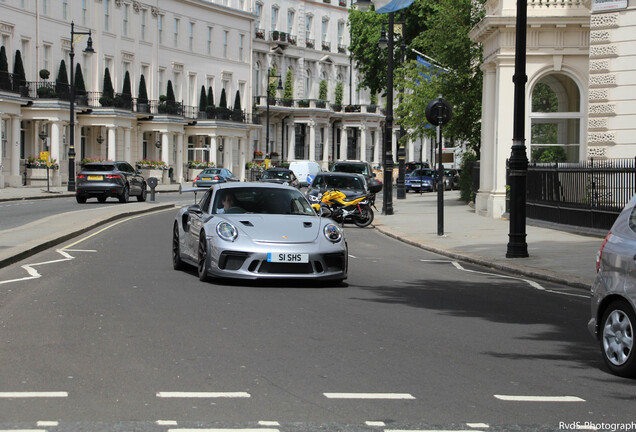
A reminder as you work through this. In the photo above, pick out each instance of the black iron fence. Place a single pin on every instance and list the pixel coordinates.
(587, 194)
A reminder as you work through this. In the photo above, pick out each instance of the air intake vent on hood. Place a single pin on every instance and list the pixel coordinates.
(307, 224)
(247, 223)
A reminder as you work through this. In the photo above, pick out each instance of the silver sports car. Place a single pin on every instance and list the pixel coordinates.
(258, 231)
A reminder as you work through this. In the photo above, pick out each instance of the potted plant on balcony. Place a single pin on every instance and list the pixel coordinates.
(373, 105)
(203, 100)
(303, 103)
(272, 86)
(19, 77)
(322, 94)
(210, 109)
(338, 96)
(260, 34)
(5, 79)
(124, 100)
(258, 154)
(142, 97)
(275, 35)
(309, 43)
(288, 89)
(108, 92)
(80, 87)
(61, 83)
(223, 112)
(237, 112)
(45, 90)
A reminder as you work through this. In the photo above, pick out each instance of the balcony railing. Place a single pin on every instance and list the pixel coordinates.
(326, 46)
(261, 102)
(11, 83)
(259, 33)
(342, 48)
(309, 43)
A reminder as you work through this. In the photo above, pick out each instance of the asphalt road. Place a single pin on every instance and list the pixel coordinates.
(111, 338)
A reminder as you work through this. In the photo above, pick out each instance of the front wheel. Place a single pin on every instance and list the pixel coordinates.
(617, 339)
(177, 262)
(203, 261)
(364, 217)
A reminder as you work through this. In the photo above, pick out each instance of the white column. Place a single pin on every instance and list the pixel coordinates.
(14, 172)
(291, 148)
(363, 142)
(213, 150)
(394, 145)
(278, 137)
(343, 143)
(242, 147)
(54, 147)
(487, 137)
(179, 168)
(127, 150)
(165, 147)
(326, 146)
(377, 147)
(2, 168)
(312, 139)
(111, 143)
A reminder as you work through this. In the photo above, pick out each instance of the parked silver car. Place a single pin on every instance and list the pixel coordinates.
(614, 295)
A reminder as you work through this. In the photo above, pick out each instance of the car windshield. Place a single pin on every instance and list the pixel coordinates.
(261, 201)
(338, 182)
(276, 175)
(98, 167)
(351, 168)
(422, 173)
(211, 171)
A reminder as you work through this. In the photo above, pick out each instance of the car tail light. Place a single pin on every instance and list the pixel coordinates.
(599, 255)
(81, 176)
(112, 176)
(197, 178)
(216, 177)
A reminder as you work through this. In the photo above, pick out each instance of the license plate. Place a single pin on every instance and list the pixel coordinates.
(287, 257)
(206, 178)
(95, 177)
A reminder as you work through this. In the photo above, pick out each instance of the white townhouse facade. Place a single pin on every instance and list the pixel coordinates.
(188, 44)
(581, 57)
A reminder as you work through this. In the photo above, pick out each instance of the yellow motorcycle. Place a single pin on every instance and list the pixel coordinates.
(334, 204)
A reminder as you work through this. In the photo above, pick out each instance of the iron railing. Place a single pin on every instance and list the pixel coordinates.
(587, 194)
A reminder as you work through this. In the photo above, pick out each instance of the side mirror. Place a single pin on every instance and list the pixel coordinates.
(195, 208)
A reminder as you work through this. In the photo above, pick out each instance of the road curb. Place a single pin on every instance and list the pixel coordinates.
(545, 275)
(65, 237)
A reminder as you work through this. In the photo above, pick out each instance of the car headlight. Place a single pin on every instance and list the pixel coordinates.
(314, 198)
(333, 233)
(227, 231)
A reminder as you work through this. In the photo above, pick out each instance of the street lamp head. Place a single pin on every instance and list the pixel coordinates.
(280, 84)
(89, 45)
(383, 42)
(100, 140)
(43, 135)
(363, 5)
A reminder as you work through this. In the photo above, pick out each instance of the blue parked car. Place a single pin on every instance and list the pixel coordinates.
(419, 180)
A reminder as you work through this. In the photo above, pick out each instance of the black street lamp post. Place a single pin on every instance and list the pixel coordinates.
(401, 154)
(387, 147)
(279, 87)
(518, 164)
(71, 149)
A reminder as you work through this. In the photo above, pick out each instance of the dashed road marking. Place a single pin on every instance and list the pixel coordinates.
(224, 430)
(478, 425)
(47, 423)
(375, 423)
(20, 395)
(196, 395)
(539, 398)
(368, 396)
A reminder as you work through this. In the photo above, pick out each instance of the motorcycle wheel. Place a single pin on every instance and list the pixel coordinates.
(364, 218)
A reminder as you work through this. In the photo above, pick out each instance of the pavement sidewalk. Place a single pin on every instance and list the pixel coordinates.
(555, 255)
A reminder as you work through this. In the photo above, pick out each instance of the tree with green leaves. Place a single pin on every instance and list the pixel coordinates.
(338, 93)
(62, 88)
(78, 81)
(237, 113)
(19, 77)
(439, 29)
(272, 84)
(170, 93)
(323, 89)
(142, 96)
(223, 101)
(211, 107)
(223, 112)
(203, 100)
(108, 92)
(5, 79)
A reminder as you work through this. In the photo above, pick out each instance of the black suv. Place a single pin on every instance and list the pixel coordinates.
(354, 167)
(109, 179)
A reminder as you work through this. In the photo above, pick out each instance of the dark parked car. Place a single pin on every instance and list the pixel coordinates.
(613, 315)
(452, 178)
(109, 179)
(412, 166)
(354, 167)
(349, 184)
(212, 176)
(281, 176)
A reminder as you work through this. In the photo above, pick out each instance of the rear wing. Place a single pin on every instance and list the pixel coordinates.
(193, 189)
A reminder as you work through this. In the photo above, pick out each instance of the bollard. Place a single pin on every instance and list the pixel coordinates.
(152, 182)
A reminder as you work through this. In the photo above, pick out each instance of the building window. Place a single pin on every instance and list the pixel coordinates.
(65, 10)
(45, 7)
(259, 13)
(210, 40)
(309, 21)
(84, 12)
(225, 40)
(325, 29)
(47, 57)
(143, 24)
(274, 18)
(191, 35)
(125, 20)
(161, 77)
(241, 44)
(308, 84)
(290, 21)
(160, 28)
(106, 15)
(341, 32)
(556, 120)
(176, 32)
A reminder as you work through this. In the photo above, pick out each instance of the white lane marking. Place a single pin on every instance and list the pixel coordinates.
(368, 396)
(268, 423)
(203, 395)
(539, 398)
(33, 273)
(23, 430)
(427, 430)
(166, 423)
(47, 423)
(375, 423)
(532, 283)
(478, 425)
(16, 395)
(223, 430)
